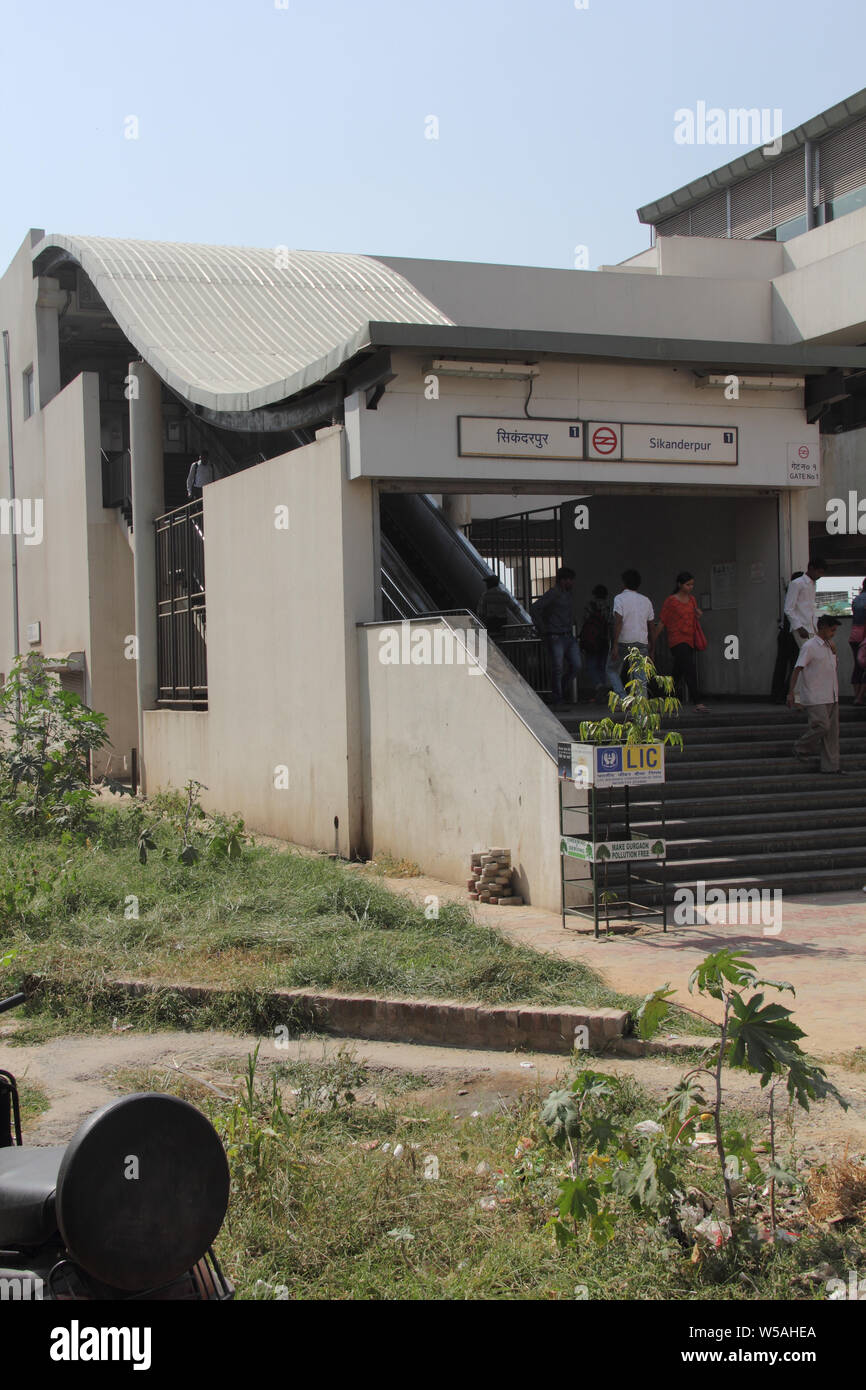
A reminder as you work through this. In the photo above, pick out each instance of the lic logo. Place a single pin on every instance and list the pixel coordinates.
(610, 759)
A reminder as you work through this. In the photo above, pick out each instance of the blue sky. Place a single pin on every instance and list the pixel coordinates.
(305, 126)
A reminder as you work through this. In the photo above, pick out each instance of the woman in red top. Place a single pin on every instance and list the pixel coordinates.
(679, 617)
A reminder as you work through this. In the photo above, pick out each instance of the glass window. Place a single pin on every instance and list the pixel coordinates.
(849, 202)
(795, 227)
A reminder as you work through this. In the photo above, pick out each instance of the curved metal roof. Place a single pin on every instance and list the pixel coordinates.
(235, 328)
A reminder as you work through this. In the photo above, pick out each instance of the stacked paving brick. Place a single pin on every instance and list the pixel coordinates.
(491, 878)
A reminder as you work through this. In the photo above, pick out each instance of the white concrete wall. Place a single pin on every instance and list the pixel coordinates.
(282, 648)
(590, 301)
(413, 438)
(78, 581)
(458, 760)
(720, 258)
(843, 470)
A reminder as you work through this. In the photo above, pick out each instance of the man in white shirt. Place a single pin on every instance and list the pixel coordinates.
(816, 675)
(632, 615)
(801, 603)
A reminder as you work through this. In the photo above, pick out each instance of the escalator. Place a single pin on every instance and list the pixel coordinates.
(448, 571)
(428, 566)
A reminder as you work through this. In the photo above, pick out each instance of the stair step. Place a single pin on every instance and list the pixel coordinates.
(794, 781)
(850, 744)
(791, 883)
(782, 842)
(751, 768)
(683, 826)
(713, 865)
(826, 794)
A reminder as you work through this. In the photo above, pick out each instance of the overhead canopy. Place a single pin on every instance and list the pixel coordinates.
(235, 328)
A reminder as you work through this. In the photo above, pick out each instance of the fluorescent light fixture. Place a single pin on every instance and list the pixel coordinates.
(754, 383)
(515, 371)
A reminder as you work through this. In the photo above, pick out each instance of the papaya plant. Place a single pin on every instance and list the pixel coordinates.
(642, 1167)
(641, 712)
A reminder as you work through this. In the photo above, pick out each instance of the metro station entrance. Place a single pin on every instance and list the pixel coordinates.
(730, 543)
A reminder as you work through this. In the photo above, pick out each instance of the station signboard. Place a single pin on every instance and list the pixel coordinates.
(483, 436)
(625, 443)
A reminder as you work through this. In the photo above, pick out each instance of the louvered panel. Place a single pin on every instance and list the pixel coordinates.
(842, 162)
(750, 206)
(680, 225)
(710, 218)
(789, 188)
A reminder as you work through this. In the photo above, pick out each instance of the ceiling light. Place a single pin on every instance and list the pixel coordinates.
(515, 371)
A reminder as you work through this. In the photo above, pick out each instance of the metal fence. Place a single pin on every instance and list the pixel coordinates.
(525, 549)
(528, 654)
(181, 616)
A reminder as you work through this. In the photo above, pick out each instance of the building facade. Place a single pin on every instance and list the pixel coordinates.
(672, 408)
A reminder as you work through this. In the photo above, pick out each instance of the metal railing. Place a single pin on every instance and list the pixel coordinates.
(528, 654)
(181, 612)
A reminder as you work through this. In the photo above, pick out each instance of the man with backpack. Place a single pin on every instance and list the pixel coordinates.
(594, 641)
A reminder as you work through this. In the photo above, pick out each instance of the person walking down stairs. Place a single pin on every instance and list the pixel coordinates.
(818, 677)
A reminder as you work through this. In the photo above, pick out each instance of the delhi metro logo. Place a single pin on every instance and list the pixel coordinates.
(604, 439)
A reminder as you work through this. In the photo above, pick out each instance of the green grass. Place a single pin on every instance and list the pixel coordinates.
(265, 920)
(322, 1210)
(33, 1100)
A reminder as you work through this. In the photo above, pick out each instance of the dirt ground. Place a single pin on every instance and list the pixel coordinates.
(79, 1074)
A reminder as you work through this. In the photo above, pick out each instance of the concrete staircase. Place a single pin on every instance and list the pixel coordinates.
(740, 811)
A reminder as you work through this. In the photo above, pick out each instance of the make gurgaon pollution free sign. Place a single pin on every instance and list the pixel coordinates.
(613, 850)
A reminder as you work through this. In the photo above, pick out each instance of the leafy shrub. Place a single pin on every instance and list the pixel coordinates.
(47, 736)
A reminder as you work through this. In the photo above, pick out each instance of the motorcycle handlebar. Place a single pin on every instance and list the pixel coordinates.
(12, 1002)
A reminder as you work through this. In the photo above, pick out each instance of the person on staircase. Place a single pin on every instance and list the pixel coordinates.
(492, 606)
(801, 603)
(633, 614)
(681, 619)
(856, 638)
(594, 640)
(818, 677)
(786, 656)
(200, 474)
(553, 615)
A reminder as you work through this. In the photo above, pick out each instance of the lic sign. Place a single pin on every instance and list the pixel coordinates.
(616, 765)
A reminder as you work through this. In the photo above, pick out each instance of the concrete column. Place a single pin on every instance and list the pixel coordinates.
(798, 531)
(148, 502)
(457, 508)
(50, 299)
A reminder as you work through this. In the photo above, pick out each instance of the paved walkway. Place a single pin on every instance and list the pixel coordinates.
(821, 950)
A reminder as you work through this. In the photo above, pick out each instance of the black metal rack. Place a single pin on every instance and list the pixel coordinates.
(603, 809)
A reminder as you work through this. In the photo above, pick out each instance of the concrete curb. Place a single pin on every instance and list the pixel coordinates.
(443, 1023)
